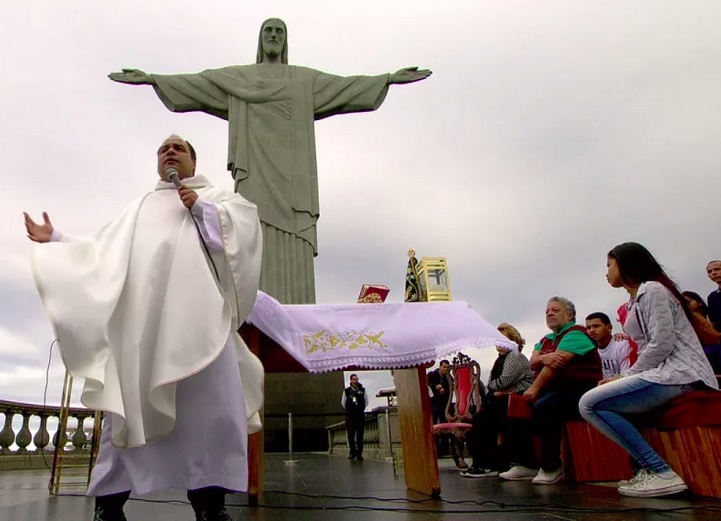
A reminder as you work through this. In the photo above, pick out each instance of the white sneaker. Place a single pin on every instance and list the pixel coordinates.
(518, 473)
(636, 477)
(548, 478)
(650, 484)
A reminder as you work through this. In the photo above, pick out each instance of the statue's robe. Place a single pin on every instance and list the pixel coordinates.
(270, 110)
(141, 317)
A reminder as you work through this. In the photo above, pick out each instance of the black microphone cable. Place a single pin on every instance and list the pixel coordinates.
(45, 399)
(172, 176)
(205, 246)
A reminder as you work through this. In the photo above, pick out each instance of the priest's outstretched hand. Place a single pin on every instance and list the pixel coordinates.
(187, 196)
(39, 232)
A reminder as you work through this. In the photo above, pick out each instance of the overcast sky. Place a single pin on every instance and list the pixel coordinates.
(548, 133)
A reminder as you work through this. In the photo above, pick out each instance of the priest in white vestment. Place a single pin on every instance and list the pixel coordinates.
(146, 311)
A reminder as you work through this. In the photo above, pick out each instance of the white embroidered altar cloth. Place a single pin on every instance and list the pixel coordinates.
(327, 337)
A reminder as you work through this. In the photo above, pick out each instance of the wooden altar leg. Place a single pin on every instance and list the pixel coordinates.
(256, 442)
(420, 461)
(256, 466)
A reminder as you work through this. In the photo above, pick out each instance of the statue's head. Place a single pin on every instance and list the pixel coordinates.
(273, 41)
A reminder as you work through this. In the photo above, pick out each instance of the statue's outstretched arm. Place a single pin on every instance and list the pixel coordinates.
(408, 75)
(133, 77)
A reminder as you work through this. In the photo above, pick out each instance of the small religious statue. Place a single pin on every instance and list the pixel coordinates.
(270, 107)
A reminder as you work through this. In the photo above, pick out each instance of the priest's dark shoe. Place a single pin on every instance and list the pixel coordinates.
(109, 514)
(217, 515)
(110, 507)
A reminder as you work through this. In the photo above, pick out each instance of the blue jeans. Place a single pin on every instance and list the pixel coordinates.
(550, 413)
(605, 406)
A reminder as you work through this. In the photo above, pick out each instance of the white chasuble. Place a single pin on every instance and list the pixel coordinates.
(137, 309)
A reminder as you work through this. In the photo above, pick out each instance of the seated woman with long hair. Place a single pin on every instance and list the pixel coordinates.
(670, 362)
(708, 336)
(511, 374)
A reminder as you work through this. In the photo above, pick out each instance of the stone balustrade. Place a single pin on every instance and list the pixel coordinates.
(23, 457)
(29, 445)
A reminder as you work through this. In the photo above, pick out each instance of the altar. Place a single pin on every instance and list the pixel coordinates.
(404, 337)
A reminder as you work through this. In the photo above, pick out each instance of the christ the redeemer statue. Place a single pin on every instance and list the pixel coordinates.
(270, 108)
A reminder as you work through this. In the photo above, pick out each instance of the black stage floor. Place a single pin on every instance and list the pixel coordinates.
(324, 488)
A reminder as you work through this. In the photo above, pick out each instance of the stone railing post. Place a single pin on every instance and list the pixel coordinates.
(80, 439)
(60, 438)
(7, 436)
(42, 437)
(24, 436)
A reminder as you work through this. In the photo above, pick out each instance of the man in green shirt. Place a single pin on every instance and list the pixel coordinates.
(566, 365)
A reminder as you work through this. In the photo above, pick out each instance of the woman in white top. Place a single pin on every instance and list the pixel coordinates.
(670, 362)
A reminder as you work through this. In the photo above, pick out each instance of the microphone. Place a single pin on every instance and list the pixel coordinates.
(171, 174)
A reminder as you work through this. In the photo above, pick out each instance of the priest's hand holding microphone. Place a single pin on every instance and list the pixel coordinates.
(187, 196)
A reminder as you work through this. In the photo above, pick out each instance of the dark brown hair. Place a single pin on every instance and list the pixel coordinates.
(636, 265)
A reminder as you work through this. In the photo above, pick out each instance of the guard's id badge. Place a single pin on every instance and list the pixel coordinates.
(354, 400)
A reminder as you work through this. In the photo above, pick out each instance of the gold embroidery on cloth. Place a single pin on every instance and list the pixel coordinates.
(326, 341)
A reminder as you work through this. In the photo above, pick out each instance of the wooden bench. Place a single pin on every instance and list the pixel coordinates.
(686, 433)
(589, 456)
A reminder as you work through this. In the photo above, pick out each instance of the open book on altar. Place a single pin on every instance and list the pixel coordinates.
(373, 294)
